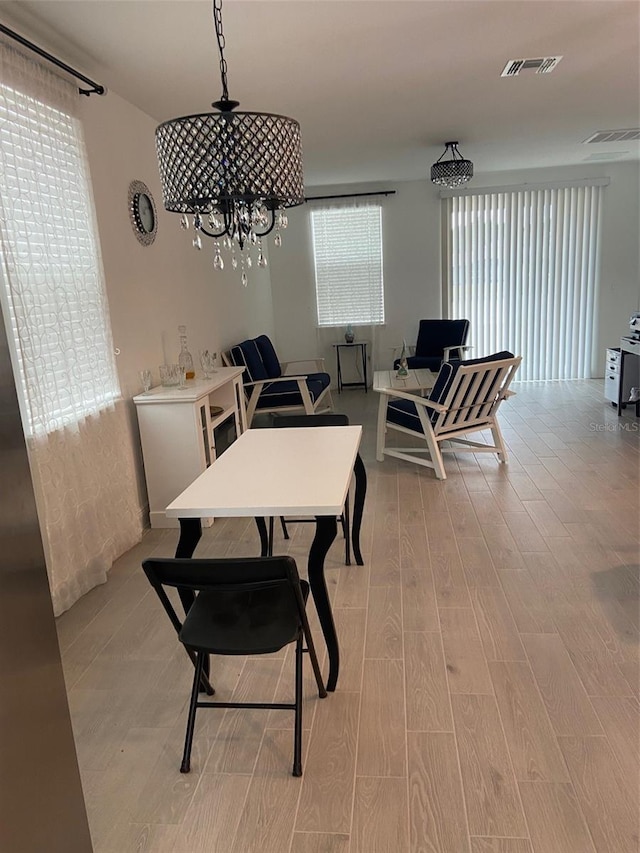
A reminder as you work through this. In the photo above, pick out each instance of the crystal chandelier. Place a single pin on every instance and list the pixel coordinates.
(453, 172)
(234, 172)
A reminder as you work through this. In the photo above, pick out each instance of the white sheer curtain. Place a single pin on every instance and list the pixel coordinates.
(55, 307)
(522, 266)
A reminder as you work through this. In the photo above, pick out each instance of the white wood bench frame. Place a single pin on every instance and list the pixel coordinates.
(456, 418)
(254, 389)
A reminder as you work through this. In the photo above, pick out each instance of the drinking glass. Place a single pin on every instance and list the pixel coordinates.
(145, 378)
(169, 375)
(207, 362)
(182, 376)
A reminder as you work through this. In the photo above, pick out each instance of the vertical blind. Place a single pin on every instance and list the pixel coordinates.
(522, 266)
(347, 250)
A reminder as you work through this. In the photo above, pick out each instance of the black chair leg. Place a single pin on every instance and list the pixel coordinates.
(283, 524)
(311, 649)
(205, 684)
(297, 738)
(187, 598)
(185, 767)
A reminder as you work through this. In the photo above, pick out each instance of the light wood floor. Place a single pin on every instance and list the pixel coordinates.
(488, 697)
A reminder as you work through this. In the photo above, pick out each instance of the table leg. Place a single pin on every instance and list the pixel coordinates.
(264, 537)
(190, 534)
(364, 366)
(346, 529)
(326, 529)
(358, 507)
(621, 385)
(381, 428)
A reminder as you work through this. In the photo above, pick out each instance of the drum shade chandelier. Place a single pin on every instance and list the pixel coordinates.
(454, 171)
(234, 173)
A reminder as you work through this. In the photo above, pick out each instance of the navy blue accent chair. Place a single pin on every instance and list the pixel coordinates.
(269, 388)
(464, 399)
(237, 606)
(438, 341)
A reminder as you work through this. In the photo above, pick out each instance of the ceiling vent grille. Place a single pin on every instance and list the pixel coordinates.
(628, 135)
(543, 65)
(605, 155)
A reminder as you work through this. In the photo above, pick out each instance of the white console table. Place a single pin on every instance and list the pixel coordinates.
(178, 434)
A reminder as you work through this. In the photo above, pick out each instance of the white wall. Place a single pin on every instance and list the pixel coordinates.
(620, 270)
(412, 262)
(411, 258)
(153, 289)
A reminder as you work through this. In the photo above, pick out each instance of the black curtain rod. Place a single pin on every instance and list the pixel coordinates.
(348, 195)
(96, 88)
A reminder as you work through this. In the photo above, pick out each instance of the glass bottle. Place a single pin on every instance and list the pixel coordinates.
(185, 359)
(402, 366)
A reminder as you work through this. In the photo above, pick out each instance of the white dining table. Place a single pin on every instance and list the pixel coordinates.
(279, 472)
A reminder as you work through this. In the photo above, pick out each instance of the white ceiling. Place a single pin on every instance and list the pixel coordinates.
(378, 86)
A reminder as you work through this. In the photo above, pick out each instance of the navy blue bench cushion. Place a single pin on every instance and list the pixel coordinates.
(278, 394)
(404, 412)
(323, 378)
(269, 357)
(248, 355)
(435, 335)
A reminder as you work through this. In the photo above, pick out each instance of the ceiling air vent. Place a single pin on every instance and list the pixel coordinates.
(544, 65)
(604, 155)
(629, 135)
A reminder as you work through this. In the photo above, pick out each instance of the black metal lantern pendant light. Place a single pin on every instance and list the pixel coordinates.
(454, 171)
(234, 172)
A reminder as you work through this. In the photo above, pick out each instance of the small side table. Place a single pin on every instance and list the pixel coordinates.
(362, 345)
(628, 346)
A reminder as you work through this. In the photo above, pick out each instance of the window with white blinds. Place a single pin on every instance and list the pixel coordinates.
(51, 280)
(347, 249)
(522, 267)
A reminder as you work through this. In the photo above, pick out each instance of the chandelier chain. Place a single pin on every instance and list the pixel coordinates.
(217, 19)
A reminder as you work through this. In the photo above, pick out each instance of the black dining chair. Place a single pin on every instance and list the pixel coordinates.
(327, 419)
(252, 606)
